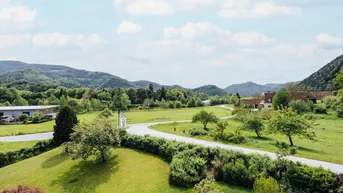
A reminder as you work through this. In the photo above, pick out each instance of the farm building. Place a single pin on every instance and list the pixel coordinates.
(16, 111)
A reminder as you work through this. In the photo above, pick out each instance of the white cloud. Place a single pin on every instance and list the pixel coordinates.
(299, 50)
(192, 31)
(327, 41)
(249, 9)
(179, 46)
(59, 39)
(160, 7)
(251, 38)
(15, 17)
(128, 27)
(11, 40)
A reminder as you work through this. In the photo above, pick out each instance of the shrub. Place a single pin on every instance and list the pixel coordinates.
(320, 109)
(105, 114)
(330, 101)
(205, 186)
(37, 117)
(23, 117)
(178, 104)
(197, 132)
(187, 170)
(22, 189)
(307, 179)
(24, 153)
(65, 121)
(171, 105)
(267, 185)
(237, 174)
(300, 106)
(339, 111)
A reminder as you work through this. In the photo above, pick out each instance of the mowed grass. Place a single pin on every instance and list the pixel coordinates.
(13, 146)
(146, 116)
(128, 171)
(328, 147)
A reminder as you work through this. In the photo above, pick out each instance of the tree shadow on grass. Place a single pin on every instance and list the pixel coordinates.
(310, 150)
(54, 161)
(260, 138)
(86, 176)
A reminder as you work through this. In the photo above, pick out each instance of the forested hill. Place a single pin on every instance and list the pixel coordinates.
(323, 79)
(211, 90)
(12, 71)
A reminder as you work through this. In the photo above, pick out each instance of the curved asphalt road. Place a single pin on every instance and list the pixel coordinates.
(143, 129)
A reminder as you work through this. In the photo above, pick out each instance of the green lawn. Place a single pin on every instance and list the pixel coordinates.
(13, 146)
(328, 128)
(129, 171)
(146, 116)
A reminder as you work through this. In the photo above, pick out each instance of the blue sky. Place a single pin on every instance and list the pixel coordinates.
(185, 42)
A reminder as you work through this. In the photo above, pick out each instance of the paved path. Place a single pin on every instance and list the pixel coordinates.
(143, 129)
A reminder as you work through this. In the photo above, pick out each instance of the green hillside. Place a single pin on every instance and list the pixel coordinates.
(211, 90)
(323, 79)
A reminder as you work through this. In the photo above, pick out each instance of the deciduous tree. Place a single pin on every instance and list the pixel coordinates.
(93, 139)
(289, 123)
(205, 118)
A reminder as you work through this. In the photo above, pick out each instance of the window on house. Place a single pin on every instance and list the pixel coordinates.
(269, 106)
(27, 113)
(1, 114)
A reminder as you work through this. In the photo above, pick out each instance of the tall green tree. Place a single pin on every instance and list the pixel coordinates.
(205, 118)
(281, 99)
(93, 139)
(65, 122)
(287, 122)
(120, 102)
(163, 94)
(20, 101)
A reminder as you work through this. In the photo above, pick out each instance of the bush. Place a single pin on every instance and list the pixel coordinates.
(339, 111)
(187, 170)
(300, 106)
(22, 189)
(178, 105)
(23, 117)
(267, 185)
(105, 114)
(205, 186)
(171, 105)
(37, 117)
(237, 174)
(307, 179)
(320, 109)
(24, 153)
(197, 132)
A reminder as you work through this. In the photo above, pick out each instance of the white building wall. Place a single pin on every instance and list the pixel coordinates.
(268, 105)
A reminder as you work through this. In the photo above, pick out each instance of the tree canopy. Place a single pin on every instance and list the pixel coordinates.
(205, 117)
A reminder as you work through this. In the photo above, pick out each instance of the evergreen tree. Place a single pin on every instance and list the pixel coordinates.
(163, 94)
(65, 121)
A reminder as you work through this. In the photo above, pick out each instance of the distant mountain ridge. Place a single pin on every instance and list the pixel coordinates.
(12, 71)
(322, 80)
(251, 88)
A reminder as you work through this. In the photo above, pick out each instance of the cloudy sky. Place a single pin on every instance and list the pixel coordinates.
(185, 42)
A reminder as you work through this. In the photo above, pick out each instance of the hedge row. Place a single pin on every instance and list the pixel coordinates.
(24, 153)
(190, 162)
